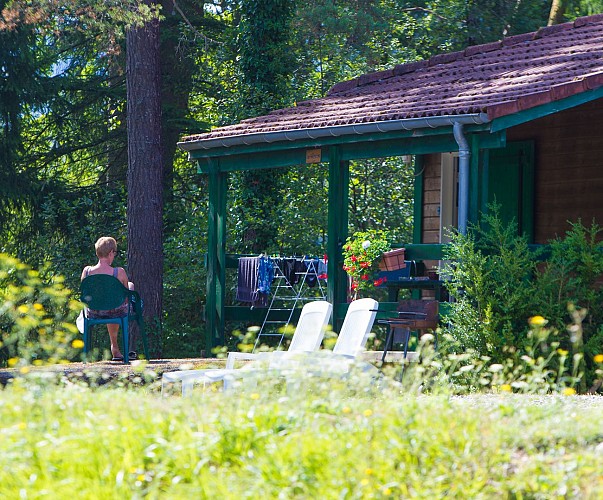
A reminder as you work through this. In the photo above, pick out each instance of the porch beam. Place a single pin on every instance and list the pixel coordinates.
(360, 149)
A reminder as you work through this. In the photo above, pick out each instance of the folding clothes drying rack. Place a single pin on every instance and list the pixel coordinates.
(286, 297)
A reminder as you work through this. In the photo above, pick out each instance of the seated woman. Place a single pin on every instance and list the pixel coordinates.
(106, 250)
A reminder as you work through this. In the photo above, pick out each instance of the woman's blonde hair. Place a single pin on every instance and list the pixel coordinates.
(104, 246)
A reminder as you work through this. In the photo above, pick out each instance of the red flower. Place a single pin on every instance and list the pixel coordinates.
(353, 258)
(354, 285)
(364, 277)
(364, 265)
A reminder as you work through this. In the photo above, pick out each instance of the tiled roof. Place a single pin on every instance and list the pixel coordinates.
(498, 79)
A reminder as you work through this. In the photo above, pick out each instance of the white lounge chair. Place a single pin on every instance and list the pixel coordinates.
(350, 343)
(308, 335)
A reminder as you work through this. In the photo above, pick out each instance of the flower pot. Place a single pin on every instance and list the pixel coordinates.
(393, 260)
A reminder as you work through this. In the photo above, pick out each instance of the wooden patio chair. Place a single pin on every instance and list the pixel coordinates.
(413, 315)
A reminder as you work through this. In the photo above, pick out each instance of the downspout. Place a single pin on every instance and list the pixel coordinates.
(464, 157)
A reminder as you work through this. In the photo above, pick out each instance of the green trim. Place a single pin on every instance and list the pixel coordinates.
(528, 115)
(339, 182)
(417, 234)
(424, 251)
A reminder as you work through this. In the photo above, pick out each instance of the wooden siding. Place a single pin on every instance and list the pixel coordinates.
(569, 168)
(431, 199)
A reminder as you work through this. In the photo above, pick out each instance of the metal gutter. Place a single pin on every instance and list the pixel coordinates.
(335, 131)
(464, 157)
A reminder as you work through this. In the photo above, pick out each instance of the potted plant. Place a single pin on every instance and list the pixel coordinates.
(362, 254)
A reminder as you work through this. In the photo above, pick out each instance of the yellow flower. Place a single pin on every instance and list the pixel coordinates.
(387, 491)
(364, 481)
(598, 358)
(12, 362)
(346, 410)
(24, 370)
(368, 413)
(368, 471)
(562, 352)
(255, 395)
(38, 307)
(569, 391)
(537, 321)
(77, 344)
(506, 388)
(23, 308)
(22, 425)
(141, 477)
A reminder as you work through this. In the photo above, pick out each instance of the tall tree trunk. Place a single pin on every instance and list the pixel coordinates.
(557, 12)
(145, 173)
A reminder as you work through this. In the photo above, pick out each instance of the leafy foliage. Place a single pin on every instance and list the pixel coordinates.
(36, 317)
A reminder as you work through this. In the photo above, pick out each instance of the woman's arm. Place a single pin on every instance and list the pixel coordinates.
(122, 276)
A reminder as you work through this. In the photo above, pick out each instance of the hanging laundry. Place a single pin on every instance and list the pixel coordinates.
(265, 275)
(312, 276)
(287, 267)
(299, 269)
(248, 282)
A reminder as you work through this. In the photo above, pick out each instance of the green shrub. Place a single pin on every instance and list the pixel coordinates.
(498, 283)
(571, 279)
(491, 271)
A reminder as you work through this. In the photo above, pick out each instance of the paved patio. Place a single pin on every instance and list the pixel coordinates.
(112, 369)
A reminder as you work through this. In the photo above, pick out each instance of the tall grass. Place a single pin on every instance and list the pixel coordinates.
(327, 438)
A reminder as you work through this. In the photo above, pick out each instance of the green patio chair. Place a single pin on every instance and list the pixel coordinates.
(103, 292)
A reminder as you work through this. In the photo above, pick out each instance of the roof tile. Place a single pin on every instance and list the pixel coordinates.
(500, 78)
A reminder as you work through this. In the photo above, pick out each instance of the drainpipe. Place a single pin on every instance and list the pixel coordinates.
(464, 157)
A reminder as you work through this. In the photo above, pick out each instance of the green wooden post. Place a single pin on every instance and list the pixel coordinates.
(216, 258)
(337, 231)
(474, 179)
(417, 233)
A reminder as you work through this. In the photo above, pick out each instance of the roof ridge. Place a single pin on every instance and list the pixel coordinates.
(449, 57)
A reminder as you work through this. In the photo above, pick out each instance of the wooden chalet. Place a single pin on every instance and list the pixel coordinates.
(519, 121)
